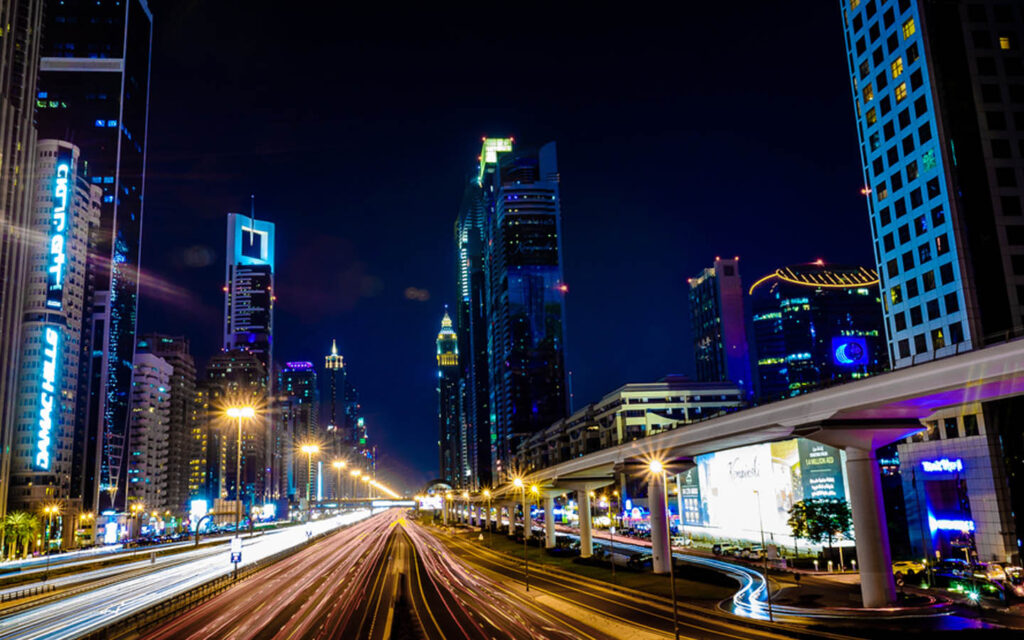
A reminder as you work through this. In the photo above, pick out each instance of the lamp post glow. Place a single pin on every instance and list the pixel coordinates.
(339, 465)
(487, 494)
(239, 413)
(355, 473)
(658, 469)
(518, 483)
(309, 450)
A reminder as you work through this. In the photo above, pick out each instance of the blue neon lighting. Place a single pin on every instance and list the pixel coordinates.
(848, 351)
(946, 524)
(943, 465)
(47, 397)
(58, 235)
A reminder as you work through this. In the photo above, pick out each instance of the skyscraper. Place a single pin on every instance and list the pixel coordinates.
(525, 300)
(718, 324)
(249, 288)
(453, 459)
(935, 116)
(815, 324)
(471, 309)
(937, 98)
(175, 351)
(94, 91)
(149, 436)
(339, 438)
(300, 420)
(19, 62)
(53, 365)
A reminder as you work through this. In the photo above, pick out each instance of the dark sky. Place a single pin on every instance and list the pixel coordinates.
(715, 131)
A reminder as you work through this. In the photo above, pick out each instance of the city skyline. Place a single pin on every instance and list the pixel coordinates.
(674, 203)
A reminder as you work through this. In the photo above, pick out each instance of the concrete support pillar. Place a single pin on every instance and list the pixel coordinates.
(872, 536)
(444, 512)
(549, 522)
(586, 539)
(659, 523)
(510, 509)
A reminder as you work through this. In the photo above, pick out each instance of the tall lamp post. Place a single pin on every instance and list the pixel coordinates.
(764, 554)
(658, 469)
(340, 466)
(49, 511)
(355, 473)
(239, 413)
(518, 483)
(487, 494)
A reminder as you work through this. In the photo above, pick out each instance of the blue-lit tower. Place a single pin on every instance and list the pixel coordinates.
(718, 325)
(249, 287)
(525, 299)
(94, 92)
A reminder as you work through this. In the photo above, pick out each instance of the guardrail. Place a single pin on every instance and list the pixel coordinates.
(132, 624)
(26, 593)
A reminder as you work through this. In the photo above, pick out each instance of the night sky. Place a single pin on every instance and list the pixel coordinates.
(718, 131)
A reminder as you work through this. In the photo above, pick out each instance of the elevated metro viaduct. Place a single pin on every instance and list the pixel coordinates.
(858, 417)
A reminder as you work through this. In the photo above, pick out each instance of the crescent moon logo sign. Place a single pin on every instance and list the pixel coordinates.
(849, 353)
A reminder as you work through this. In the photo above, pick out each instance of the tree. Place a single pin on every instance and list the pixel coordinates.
(820, 520)
(20, 528)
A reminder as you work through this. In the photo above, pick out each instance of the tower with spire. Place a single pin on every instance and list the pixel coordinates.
(451, 441)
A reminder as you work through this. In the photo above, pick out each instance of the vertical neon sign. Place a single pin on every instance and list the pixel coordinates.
(57, 256)
(47, 396)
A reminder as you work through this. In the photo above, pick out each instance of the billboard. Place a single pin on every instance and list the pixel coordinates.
(850, 351)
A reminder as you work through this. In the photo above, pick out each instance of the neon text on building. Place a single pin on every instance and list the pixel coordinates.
(57, 256)
(943, 465)
(47, 396)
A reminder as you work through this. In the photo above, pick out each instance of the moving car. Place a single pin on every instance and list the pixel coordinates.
(907, 567)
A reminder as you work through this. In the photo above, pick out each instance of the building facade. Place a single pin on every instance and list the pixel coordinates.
(452, 444)
(718, 324)
(53, 360)
(149, 439)
(300, 422)
(19, 60)
(94, 89)
(815, 325)
(525, 301)
(175, 351)
(249, 288)
(937, 98)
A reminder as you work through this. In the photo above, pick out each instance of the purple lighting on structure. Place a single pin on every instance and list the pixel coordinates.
(299, 366)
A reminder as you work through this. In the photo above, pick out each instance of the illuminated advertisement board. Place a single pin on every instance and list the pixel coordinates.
(821, 470)
(850, 351)
(48, 397)
(57, 254)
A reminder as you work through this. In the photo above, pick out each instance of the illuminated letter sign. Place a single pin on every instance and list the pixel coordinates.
(56, 256)
(943, 465)
(48, 397)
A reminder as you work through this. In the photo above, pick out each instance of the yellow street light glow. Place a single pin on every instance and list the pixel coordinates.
(655, 466)
(465, 495)
(310, 448)
(517, 483)
(487, 493)
(339, 464)
(355, 473)
(534, 489)
(241, 412)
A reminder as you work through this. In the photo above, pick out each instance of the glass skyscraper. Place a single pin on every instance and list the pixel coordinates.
(717, 320)
(525, 301)
(938, 118)
(94, 92)
(452, 445)
(815, 325)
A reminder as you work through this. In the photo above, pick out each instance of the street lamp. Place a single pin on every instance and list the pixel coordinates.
(49, 510)
(487, 494)
(465, 505)
(764, 554)
(658, 469)
(239, 413)
(355, 473)
(339, 465)
(518, 483)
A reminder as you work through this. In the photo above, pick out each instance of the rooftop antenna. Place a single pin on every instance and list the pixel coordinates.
(252, 219)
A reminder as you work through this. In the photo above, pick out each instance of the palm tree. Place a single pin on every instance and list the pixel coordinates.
(20, 527)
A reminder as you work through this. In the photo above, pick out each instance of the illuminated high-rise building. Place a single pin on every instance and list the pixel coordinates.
(249, 288)
(937, 99)
(300, 421)
(180, 451)
(94, 91)
(149, 436)
(452, 445)
(339, 438)
(53, 366)
(525, 299)
(718, 325)
(471, 236)
(21, 21)
(815, 325)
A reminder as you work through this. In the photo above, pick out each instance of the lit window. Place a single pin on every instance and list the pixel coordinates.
(908, 28)
(897, 67)
(901, 91)
(869, 93)
(872, 117)
(1004, 43)
(854, 4)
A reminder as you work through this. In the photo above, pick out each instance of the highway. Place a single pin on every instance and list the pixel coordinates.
(386, 577)
(82, 613)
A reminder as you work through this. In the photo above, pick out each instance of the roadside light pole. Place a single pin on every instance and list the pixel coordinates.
(487, 494)
(340, 466)
(764, 554)
(657, 468)
(518, 482)
(239, 413)
(355, 474)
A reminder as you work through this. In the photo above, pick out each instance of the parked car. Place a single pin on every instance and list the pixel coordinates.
(752, 553)
(953, 567)
(639, 561)
(988, 571)
(731, 550)
(681, 541)
(907, 567)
